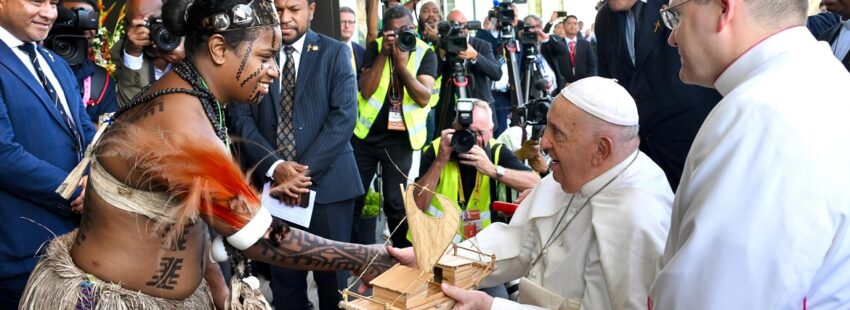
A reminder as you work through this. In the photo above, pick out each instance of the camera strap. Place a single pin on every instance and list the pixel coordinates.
(395, 120)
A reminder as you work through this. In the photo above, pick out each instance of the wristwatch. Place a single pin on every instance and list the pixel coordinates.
(500, 172)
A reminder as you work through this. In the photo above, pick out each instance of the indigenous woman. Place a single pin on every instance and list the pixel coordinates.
(162, 172)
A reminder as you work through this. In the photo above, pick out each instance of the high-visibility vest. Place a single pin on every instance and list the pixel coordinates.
(415, 117)
(450, 185)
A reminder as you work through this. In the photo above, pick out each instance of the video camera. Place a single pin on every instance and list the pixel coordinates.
(452, 39)
(527, 36)
(464, 139)
(536, 110)
(67, 37)
(405, 39)
(161, 37)
(504, 14)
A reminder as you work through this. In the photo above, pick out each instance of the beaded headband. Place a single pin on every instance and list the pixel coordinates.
(241, 16)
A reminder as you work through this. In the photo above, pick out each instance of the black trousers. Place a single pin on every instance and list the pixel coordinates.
(395, 162)
(332, 221)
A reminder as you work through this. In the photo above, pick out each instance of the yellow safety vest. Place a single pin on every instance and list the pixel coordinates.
(415, 117)
(450, 187)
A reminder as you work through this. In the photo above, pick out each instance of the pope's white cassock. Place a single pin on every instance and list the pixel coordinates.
(761, 217)
(608, 255)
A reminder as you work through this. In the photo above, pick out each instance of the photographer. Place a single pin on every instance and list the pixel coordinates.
(147, 52)
(395, 88)
(478, 64)
(96, 87)
(545, 50)
(429, 16)
(469, 178)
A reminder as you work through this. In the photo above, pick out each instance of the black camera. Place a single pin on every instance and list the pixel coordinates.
(452, 39)
(405, 39)
(67, 38)
(536, 111)
(464, 139)
(528, 35)
(163, 39)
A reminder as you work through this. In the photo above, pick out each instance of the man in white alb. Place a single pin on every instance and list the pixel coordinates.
(762, 213)
(590, 235)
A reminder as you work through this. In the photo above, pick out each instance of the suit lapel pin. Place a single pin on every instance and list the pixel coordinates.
(312, 48)
(657, 25)
(51, 57)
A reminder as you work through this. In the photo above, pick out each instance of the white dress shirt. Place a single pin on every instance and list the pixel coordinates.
(607, 256)
(296, 58)
(15, 44)
(762, 213)
(135, 63)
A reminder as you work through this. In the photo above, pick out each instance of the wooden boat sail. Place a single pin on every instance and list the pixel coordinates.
(403, 287)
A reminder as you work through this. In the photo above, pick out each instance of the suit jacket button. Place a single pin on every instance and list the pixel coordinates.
(300, 128)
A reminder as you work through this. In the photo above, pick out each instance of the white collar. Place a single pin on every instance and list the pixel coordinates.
(740, 70)
(298, 45)
(597, 183)
(10, 39)
(846, 24)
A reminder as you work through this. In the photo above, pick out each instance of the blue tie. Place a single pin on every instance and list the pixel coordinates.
(29, 48)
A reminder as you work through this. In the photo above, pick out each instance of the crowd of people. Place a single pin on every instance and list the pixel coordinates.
(678, 154)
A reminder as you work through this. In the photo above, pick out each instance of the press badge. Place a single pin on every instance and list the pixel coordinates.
(395, 121)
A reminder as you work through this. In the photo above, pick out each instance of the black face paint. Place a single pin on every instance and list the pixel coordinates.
(251, 76)
(245, 59)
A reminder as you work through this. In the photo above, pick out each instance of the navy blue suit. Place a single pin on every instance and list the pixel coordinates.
(359, 51)
(670, 111)
(324, 114)
(829, 36)
(37, 151)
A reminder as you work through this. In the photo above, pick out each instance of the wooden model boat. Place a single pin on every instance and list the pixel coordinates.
(403, 287)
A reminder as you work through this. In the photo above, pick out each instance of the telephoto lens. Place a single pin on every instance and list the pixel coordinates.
(463, 140)
(406, 40)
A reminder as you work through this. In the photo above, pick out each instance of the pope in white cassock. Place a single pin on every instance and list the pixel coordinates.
(761, 218)
(591, 234)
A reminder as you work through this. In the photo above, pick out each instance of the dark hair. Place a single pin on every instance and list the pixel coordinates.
(397, 11)
(573, 16)
(188, 24)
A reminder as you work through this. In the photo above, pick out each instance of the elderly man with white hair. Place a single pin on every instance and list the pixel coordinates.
(591, 234)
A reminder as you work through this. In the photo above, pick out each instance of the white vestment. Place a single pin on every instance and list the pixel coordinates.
(610, 252)
(760, 219)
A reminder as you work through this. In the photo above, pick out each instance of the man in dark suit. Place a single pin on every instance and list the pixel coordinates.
(579, 62)
(308, 119)
(632, 48)
(348, 25)
(481, 67)
(44, 130)
(838, 35)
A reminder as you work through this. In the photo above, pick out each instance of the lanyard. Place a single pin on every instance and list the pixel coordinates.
(218, 107)
(462, 196)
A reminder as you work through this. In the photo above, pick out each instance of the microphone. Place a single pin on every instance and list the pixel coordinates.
(443, 27)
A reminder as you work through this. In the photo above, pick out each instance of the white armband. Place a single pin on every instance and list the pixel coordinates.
(253, 231)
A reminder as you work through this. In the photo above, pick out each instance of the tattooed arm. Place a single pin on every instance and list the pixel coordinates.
(301, 250)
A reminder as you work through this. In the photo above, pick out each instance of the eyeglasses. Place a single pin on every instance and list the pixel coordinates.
(347, 22)
(671, 17)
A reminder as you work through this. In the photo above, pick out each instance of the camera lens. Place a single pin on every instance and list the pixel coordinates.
(165, 41)
(63, 48)
(463, 141)
(406, 41)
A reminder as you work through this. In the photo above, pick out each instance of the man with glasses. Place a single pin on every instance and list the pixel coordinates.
(348, 24)
(471, 178)
(631, 48)
(761, 217)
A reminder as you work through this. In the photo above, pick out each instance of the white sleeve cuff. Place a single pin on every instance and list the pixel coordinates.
(270, 173)
(133, 62)
(253, 231)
